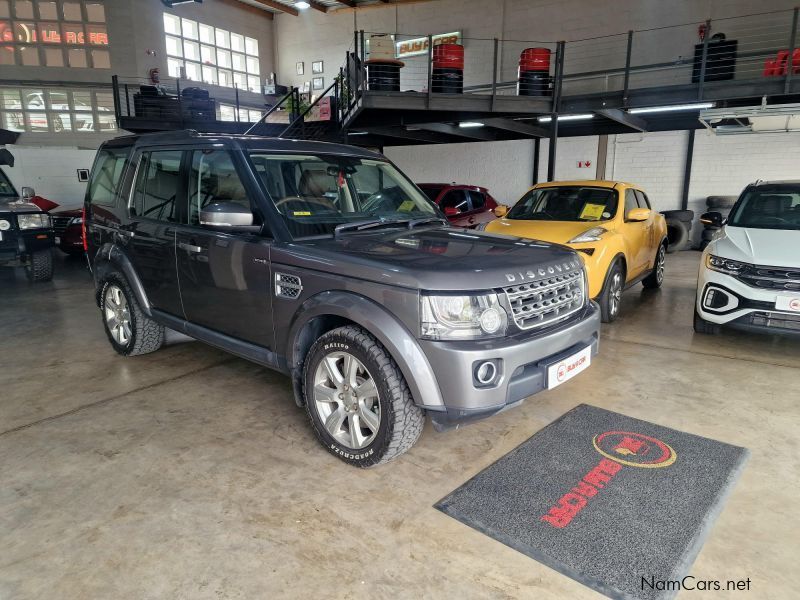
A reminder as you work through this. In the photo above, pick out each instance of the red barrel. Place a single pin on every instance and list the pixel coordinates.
(450, 56)
(534, 59)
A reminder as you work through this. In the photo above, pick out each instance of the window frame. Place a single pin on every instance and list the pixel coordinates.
(625, 204)
(120, 184)
(182, 183)
(641, 197)
(466, 195)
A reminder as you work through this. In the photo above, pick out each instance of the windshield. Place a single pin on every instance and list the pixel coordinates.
(573, 203)
(315, 193)
(6, 189)
(768, 207)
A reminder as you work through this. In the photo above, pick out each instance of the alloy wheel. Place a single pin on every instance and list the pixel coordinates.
(117, 315)
(660, 262)
(615, 293)
(346, 400)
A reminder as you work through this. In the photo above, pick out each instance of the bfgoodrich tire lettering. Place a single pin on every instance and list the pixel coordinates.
(117, 297)
(400, 420)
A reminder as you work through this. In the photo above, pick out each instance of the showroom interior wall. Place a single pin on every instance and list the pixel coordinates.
(135, 44)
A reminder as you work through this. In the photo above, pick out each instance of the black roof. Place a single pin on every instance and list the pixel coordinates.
(248, 142)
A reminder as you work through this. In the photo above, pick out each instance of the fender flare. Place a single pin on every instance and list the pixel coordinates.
(391, 333)
(110, 257)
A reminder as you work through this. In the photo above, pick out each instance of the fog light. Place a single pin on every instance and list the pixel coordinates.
(486, 373)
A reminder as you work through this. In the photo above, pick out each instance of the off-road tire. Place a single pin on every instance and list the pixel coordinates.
(654, 280)
(401, 420)
(703, 326)
(685, 216)
(146, 335)
(40, 266)
(677, 234)
(608, 313)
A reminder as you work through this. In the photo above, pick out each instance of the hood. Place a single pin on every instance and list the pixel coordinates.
(768, 247)
(17, 205)
(559, 232)
(430, 259)
(71, 212)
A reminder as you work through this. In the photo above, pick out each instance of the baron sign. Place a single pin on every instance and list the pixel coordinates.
(419, 46)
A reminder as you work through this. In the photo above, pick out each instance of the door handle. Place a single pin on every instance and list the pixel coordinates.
(190, 248)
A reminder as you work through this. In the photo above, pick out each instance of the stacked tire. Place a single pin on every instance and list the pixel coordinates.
(679, 225)
(720, 204)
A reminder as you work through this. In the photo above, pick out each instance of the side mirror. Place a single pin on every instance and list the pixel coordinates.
(501, 210)
(713, 218)
(226, 215)
(28, 193)
(638, 214)
(451, 211)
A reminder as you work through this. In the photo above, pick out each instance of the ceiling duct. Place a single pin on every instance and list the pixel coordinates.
(774, 118)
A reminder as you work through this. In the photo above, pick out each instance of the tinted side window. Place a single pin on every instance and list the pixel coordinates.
(213, 178)
(630, 201)
(643, 201)
(106, 174)
(432, 192)
(157, 184)
(478, 199)
(455, 199)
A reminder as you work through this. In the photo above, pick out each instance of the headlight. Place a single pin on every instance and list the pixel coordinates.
(462, 317)
(37, 221)
(590, 235)
(75, 221)
(724, 265)
(5, 225)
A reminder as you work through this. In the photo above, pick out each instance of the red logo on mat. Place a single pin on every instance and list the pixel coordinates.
(619, 448)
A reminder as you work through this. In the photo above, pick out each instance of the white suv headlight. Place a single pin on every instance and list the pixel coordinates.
(725, 265)
(460, 317)
(35, 221)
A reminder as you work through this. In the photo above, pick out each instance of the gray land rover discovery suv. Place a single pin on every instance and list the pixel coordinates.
(326, 263)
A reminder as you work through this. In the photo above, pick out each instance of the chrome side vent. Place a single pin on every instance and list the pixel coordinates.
(287, 286)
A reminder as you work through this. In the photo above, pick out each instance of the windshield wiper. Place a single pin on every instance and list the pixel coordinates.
(414, 222)
(368, 224)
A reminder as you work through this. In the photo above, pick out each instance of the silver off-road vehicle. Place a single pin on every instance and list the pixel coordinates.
(326, 263)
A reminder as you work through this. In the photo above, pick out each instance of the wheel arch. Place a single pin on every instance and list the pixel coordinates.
(331, 309)
(110, 258)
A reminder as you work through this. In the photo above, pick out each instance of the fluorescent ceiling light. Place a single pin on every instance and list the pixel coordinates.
(358, 133)
(470, 124)
(672, 108)
(302, 5)
(567, 118)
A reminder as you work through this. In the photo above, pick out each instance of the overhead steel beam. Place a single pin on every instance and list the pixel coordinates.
(516, 127)
(278, 6)
(349, 3)
(623, 118)
(318, 6)
(414, 134)
(471, 133)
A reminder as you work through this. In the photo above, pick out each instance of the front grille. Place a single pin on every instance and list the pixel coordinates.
(60, 224)
(547, 300)
(772, 278)
(775, 320)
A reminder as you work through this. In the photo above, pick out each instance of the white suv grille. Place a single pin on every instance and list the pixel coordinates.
(547, 300)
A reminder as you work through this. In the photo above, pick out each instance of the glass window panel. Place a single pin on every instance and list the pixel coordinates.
(101, 59)
(72, 11)
(97, 35)
(24, 9)
(37, 121)
(251, 46)
(9, 99)
(208, 55)
(83, 122)
(252, 65)
(237, 42)
(61, 122)
(223, 38)
(224, 59)
(33, 100)
(53, 57)
(29, 56)
(95, 12)
(189, 29)
(57, 101)
(47, 10)
(14, 121)
(252, 115)
(210, 75)
(240, 80)
(77, 57)
(193, 71)
(81, 100)
(225, 78)
(5, 9)
(7, 55)
(254, 84)
(174, 67)
(172, 24)
(239, 63)
(191, 50)
(49, 33)
(227, 113)
(174, 46)
(157, 185)
(105, 100)
(206, 34)
(73, 35)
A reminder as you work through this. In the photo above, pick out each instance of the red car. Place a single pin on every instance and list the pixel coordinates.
(464, 205)
(67, 225)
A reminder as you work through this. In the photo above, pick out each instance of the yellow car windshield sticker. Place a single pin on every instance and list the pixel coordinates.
(407, 206)
(302, 213)
(592, 212)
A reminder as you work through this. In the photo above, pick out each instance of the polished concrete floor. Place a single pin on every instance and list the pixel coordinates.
(192, 474)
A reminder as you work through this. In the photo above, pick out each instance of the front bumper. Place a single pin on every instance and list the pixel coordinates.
(746, 306)
(15, 246)
(522, 362)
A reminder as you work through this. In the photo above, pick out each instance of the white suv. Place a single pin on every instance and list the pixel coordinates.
(750, 272)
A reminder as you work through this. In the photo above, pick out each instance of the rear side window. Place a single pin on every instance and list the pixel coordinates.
(157, 185)
(478, 199)
(106, 175)
(431, 192)
(213, 178)
(6, 189)
(455, 199)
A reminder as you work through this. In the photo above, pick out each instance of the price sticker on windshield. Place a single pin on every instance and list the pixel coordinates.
(592, 212)
(407, 206)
